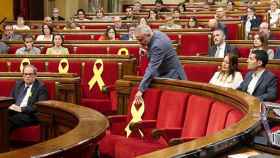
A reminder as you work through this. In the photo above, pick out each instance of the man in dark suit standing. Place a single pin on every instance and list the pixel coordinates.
(163, 60)
(220, 48)
(251, 20)
(26, 92)
(259, 82)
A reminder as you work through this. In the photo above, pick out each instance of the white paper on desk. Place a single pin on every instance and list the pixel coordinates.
(244, 155)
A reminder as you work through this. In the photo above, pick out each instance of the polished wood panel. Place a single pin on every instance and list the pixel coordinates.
(5, 102)
(73, 126)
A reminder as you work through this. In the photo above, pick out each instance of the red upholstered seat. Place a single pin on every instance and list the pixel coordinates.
(276, 35)
(30, 134)
(193, 71)
(191, 44)
(13, 49)
(6, 87)
(3, 66)
(96, 26)
(197, 114)
(233, 30)
(94, 98)
(118, 122)
(233, 116)
(170, 115)
(218, 117)
(75, 66)
(50, 85)
(78, 37)
(243, 52)
(15, 65)
(90, 50)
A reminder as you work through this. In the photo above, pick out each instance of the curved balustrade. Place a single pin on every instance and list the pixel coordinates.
(211, 144)
(75, 129)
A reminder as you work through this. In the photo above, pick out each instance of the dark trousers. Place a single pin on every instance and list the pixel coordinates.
(20, 119)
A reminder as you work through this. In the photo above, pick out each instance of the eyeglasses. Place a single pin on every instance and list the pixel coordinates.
(28, 74)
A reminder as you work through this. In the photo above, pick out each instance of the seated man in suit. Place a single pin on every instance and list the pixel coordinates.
(220, 48)
(26, 92)
(259, 82)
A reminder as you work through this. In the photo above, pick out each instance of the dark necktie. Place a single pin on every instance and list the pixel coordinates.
(21, 96)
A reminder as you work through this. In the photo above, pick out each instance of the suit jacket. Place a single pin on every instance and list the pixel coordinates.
(277, 53)
(255, 22)
(163, 61)
(39, 92)
(3, 48)
(266, 87)
(228, 49)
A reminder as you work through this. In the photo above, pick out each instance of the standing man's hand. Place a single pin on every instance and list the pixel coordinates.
(15, 108)
(138, 98)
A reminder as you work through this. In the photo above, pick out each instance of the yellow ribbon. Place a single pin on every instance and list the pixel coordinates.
(62, 68)
(136, 117)
(123, 50)
(97, 75)
(24, 62)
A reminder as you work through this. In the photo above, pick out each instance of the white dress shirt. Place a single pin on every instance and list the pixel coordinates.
(26, 97)
(220, 52)
(224, 80)
(255, 78)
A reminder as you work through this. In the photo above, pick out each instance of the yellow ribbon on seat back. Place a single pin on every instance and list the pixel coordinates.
(97, 75)
(24, 62)
(63, 69)
(136, 117)
(123, 50)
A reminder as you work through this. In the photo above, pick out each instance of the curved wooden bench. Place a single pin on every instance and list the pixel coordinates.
(212, 144)
(76, 130)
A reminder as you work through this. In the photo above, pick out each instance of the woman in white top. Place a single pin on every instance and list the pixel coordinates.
(261, 43)
(57, 48)
(228, 75)
(47, 33)
(20, 24)
(274, 13)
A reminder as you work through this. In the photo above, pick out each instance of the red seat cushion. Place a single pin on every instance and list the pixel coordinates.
(191, 44)
(197, 115)
(217, 119)
(74, 66)
(90, 50)
(234, 116)
(233, 30)
(192, 71)
(243, 52)
(27, 134)
(6, 87)
(78, 37)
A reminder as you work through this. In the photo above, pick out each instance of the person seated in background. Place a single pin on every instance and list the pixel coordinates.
(137, 7)
(9, 34)
(192, 23)
(71, 25)
(47, 35)
(230, 6)
(57, 48)
(228, 75)
(261, 43)
(153, 15)
(265, 30)
(130, 35)
(259, 81)
(129, 14)
(181, 7)
(170, 24)
(274, 13)
(28, 47)
(100, 15)
(220, 48)
(250, 20)
(48, 21)
(220, 14)
(56, 16)
(20, 24)
(81, 14)
(214, 24)
(4, 48)
(159, 6)
(110, 34)
(26, 93)
(118, 23)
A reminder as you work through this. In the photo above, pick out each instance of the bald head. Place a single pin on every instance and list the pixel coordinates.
(212, 23)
